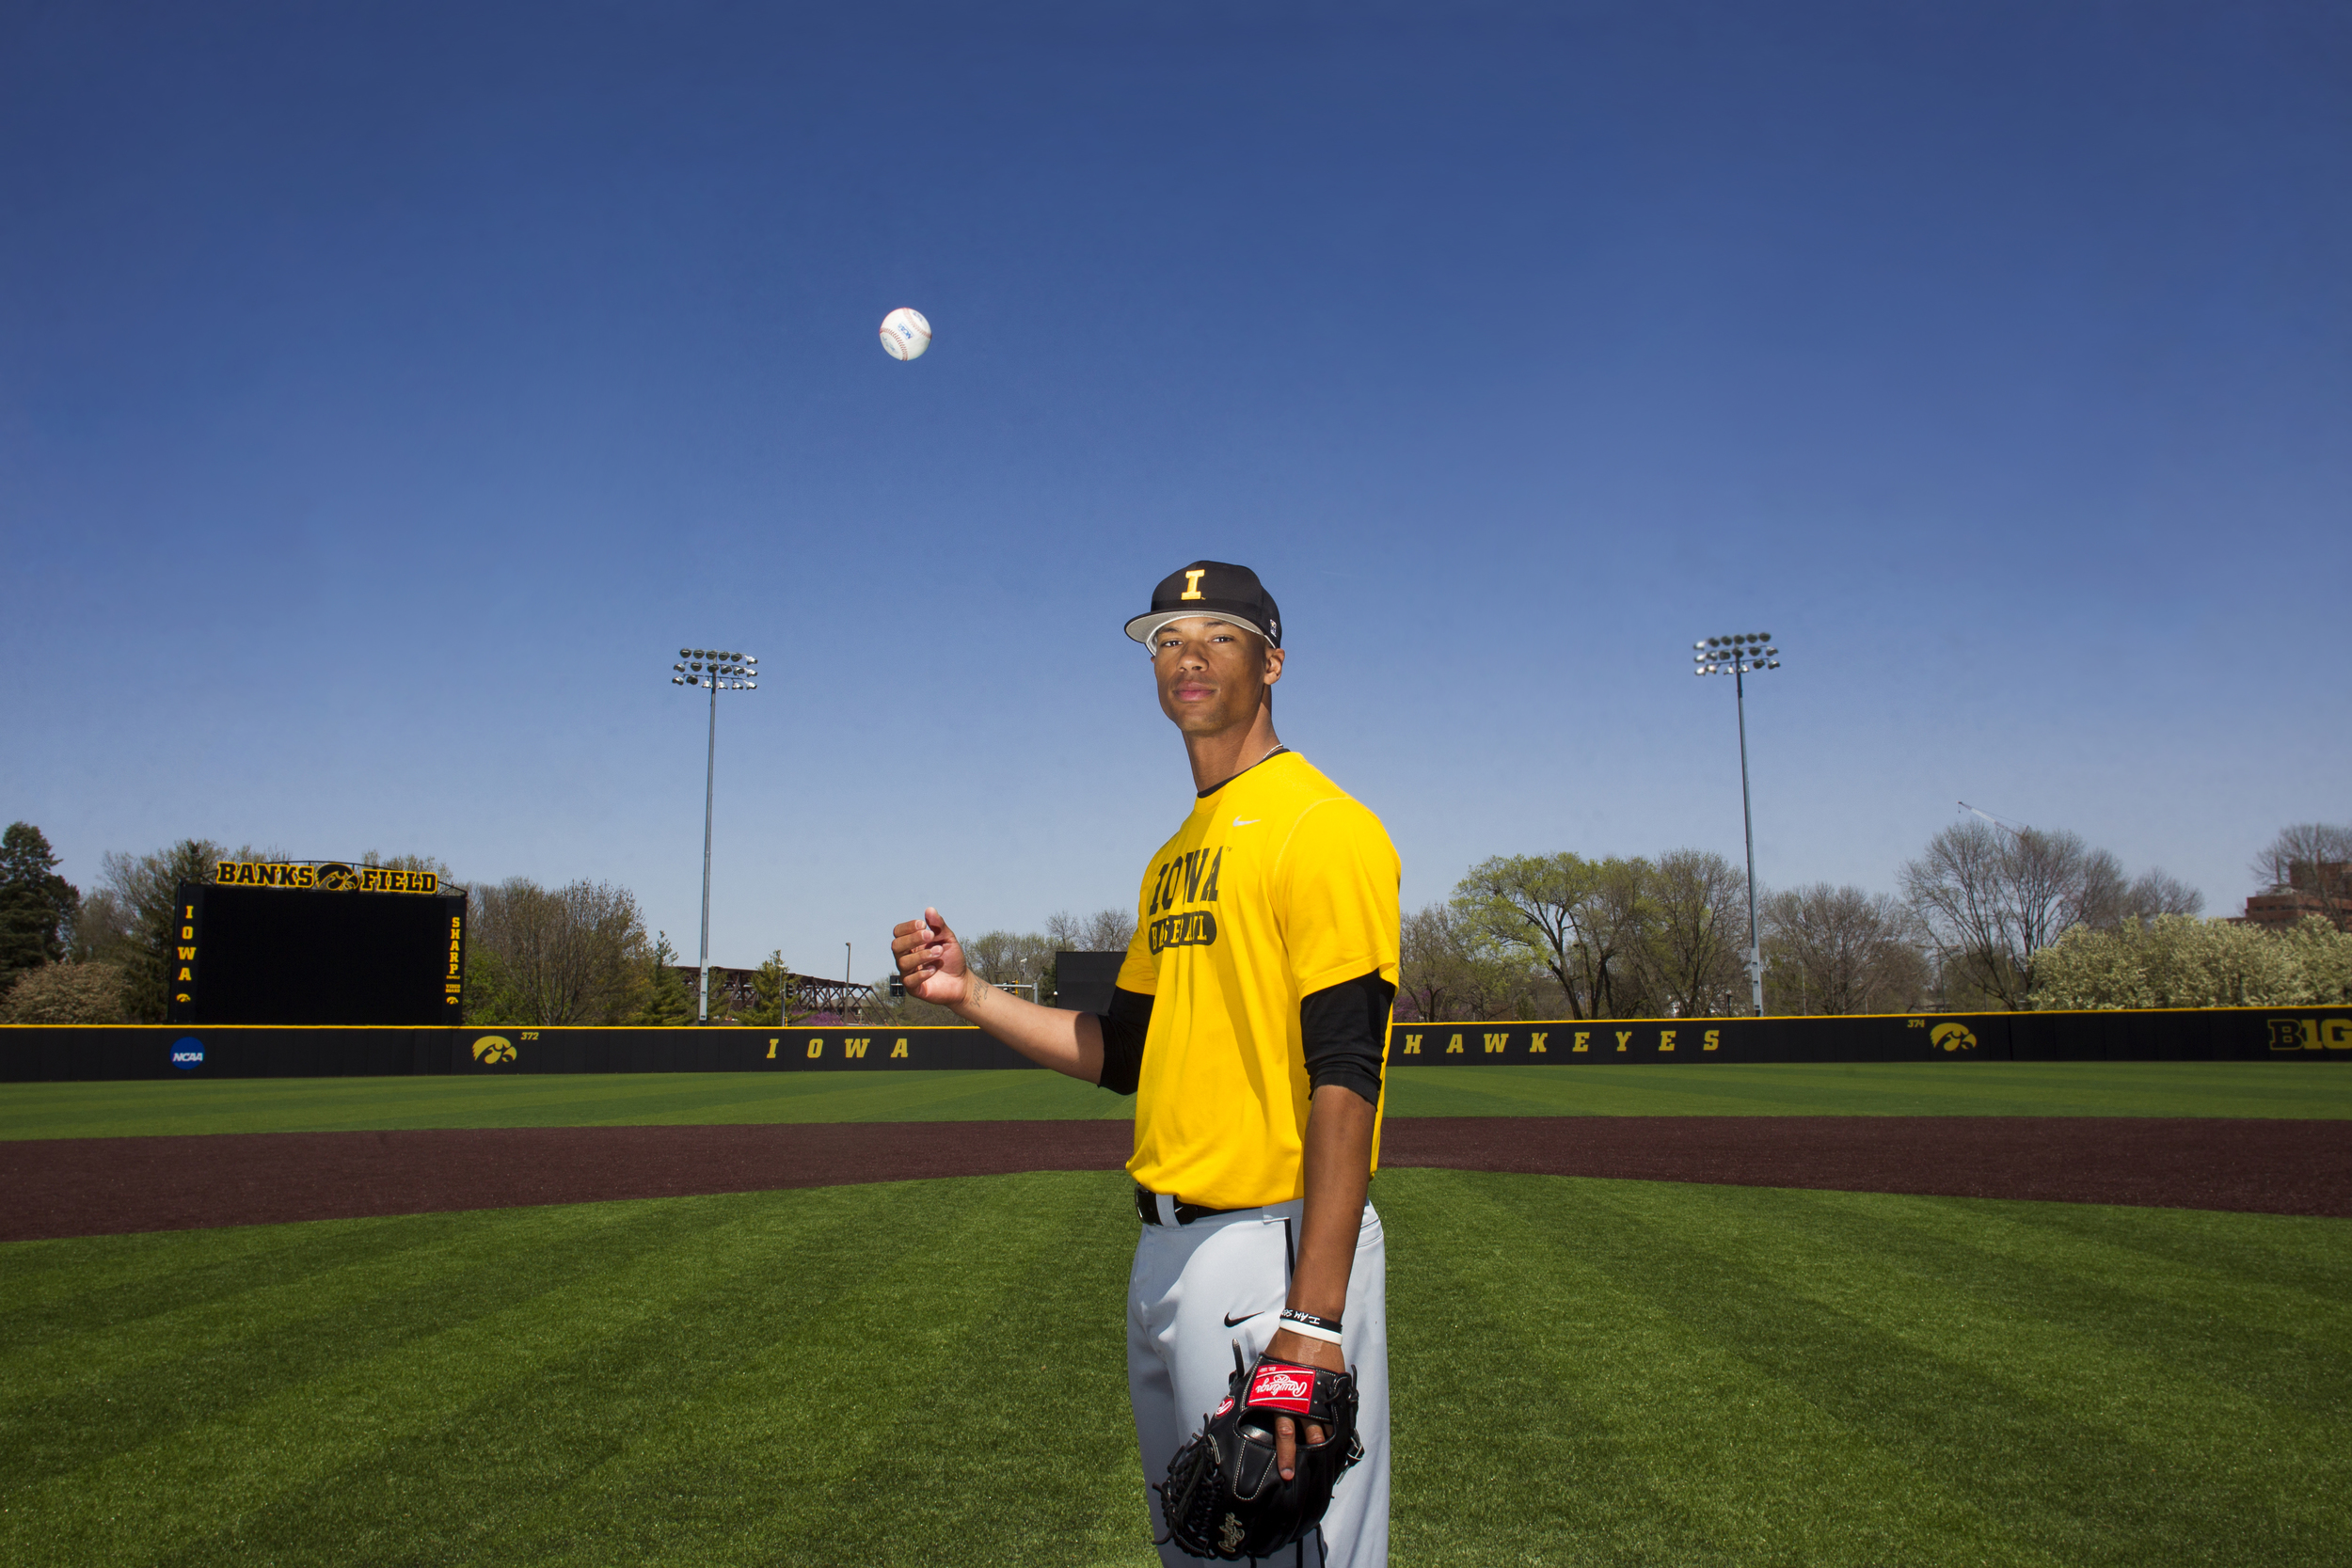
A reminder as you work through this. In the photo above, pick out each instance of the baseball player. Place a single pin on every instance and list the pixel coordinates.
(1250, 1022)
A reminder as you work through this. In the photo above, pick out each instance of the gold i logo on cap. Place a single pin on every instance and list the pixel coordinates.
(1192, 582)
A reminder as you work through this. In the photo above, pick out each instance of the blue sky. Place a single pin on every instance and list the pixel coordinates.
(387, 393)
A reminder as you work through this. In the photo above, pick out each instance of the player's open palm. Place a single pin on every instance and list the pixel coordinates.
(930, 960)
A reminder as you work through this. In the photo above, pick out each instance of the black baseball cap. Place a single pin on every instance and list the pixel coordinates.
(1216, 588)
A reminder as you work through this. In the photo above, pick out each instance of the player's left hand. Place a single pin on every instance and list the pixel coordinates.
(1301, 1350)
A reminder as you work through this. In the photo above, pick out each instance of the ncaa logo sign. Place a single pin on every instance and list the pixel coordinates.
(187, 1053)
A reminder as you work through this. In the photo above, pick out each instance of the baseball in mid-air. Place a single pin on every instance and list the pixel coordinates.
(905, 334)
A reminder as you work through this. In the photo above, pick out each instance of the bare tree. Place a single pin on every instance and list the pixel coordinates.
(1433, 963)
(2154, 893)
(102, 924)
(555, 956)
(1695, 922)
(1993, 897)
(1452, 969)
(1841, 950)
(1009, 957)
(1103, 931)
(407, 862)
(2311, 858)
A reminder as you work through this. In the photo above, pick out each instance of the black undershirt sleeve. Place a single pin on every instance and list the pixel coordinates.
(1344, 1029)
(1123, 1028)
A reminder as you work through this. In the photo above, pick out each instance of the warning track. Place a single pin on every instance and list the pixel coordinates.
(110, 1186)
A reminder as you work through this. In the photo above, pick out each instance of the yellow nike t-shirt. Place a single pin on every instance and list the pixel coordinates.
(1279, 885)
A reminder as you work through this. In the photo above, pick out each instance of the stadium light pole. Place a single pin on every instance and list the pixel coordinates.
(719, 672)
(1740, 656)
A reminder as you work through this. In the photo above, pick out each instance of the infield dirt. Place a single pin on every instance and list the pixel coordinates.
(109, 1186)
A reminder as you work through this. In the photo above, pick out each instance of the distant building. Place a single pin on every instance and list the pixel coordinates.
(2323, 889)
(731, 990)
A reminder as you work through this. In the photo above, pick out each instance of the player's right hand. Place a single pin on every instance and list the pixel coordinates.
(931, 960)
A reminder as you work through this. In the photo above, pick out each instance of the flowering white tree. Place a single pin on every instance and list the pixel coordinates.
(2178, 961)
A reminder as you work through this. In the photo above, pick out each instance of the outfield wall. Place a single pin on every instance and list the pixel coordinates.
(2154, 1035)
(34, 1053)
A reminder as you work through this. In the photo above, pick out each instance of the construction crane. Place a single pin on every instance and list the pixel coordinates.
(2007, 827)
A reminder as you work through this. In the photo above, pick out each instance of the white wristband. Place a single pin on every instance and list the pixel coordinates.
(1328, 1336)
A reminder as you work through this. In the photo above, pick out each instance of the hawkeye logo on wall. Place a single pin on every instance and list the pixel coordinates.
(490, 1049)
(323, 876)
(1951, 1036)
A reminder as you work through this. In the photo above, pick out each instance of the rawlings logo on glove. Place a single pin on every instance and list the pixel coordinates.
(1283, 1387)
(1225, 1497)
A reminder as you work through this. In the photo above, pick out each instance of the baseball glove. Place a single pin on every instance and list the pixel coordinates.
(1225, 1498)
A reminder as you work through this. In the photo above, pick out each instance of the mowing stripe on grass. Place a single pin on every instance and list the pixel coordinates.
(1946, 1088)
(1753, 1375)
(1586, 1372)
(2279, 1089)
(109, 1110)
(769, 1379)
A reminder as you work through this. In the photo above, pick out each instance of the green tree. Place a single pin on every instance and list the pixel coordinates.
(489, 999)
(37, 906)
(667, 1002)
(145, 894)
(771, 994)
(1694, 917)
(1580, 919)
(574, 955)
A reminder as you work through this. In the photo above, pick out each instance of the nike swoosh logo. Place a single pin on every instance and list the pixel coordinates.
(1247, 821)
(1232, 1322)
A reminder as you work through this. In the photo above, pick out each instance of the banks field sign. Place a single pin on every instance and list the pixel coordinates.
(323, 876)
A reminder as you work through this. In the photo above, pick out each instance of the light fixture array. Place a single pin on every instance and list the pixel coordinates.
(719, 671)
(1736, 655)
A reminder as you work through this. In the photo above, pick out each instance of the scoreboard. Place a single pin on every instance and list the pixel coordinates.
(318, 942)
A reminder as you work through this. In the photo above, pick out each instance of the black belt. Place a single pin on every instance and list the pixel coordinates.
(1148, 1207)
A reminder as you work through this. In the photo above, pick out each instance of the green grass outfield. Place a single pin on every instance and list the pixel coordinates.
(596, 1100)
(1586, 1372)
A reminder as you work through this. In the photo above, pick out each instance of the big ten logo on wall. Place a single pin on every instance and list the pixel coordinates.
(490, 1049)
(853, 1047)
(2311, 1034)
(187, 1053)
